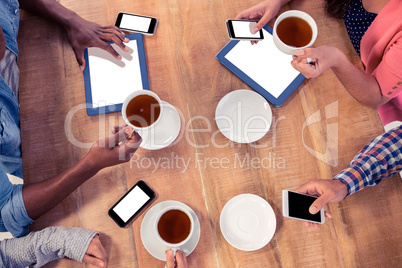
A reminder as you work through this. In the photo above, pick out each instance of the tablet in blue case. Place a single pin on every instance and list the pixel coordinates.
(263, 67)
(109, 81)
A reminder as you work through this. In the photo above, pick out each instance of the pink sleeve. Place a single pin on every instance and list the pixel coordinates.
(389, 71)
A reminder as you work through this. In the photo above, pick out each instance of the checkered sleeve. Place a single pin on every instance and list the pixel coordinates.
(381, 158)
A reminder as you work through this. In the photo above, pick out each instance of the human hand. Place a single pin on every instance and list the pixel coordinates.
(115, 149)
(2, 44)
(96, 253)
(263, 12)
(83, 34)
(327, 191)
(322, 58)
(180, 262)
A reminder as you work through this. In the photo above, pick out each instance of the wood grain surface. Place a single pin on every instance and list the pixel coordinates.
(366, 227)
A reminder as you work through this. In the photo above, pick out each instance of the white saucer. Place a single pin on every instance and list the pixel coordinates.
(247, 222)
(165, 130)
(148, 234)
(243, 116)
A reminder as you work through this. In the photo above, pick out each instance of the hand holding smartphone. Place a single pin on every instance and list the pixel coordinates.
(136, 23)
(296, 206)
(131, 204)
(242, 30)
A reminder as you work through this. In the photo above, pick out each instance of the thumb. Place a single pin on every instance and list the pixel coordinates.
(306, 52)
(93, 260)
(79, 55)
(262, 22)
(318, 204)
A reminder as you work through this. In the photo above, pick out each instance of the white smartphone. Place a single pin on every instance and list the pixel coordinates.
(296, 206)
(242, 30)
(136, 23)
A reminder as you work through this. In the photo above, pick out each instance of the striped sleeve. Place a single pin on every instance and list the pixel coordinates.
(381, 158)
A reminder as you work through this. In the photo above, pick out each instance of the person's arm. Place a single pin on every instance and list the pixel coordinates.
(381, 158)
(2, 44)
(362, 86)
(38, 248)
(81, 33)
(42, 196)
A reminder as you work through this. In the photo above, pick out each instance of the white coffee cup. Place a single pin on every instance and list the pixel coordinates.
(299, 14)
(134, 95)
(174, 246)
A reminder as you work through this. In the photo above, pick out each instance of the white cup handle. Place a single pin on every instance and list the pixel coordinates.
(174, 252)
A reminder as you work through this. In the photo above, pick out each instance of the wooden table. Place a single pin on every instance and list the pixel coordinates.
(366, 228)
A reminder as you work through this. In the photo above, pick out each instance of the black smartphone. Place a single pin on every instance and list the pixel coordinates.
(136, 23)
(130, 205)
(296, 206)
(242, 30)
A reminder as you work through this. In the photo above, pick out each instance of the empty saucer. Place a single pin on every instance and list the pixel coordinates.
(248, 222)
(243, 116)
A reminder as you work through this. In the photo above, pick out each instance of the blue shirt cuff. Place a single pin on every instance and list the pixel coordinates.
(14, 217)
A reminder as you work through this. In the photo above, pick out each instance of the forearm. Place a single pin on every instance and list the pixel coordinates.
(2, 44)
(362, 86)
(42, 196)
(49, 9)
(381, 158)
(38, 248)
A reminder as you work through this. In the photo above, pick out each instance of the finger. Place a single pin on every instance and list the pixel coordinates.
(328, 214)
(94, 261)
(105, 46)
(121, 135)
(115, 129)
(181, 259)
(262, 22)
(169, 259)
(308, 224)
(79, 55)
(112, 37)
(134, 137)
(114, 30)
(127, 149)
(318, 204)
(316, 226)
(306, 52)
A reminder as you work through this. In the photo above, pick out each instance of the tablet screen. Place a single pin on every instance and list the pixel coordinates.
(113, 80)
(264, 63)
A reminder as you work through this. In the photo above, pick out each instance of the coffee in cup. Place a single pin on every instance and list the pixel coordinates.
(294, 30)
(141, 109)
(174, 227)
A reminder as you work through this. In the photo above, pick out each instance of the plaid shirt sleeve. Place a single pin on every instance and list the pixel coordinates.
(381, 158)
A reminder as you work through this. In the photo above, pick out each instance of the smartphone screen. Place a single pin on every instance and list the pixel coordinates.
(136, 23)
(297, 206)
(131, 203)
(242, 29)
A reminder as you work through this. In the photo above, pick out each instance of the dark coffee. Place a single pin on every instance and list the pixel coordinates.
(294, 32)
(174, 226)
(143, 111)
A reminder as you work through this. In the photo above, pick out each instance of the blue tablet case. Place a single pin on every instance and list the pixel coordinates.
(91, 110)
(277, 101)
